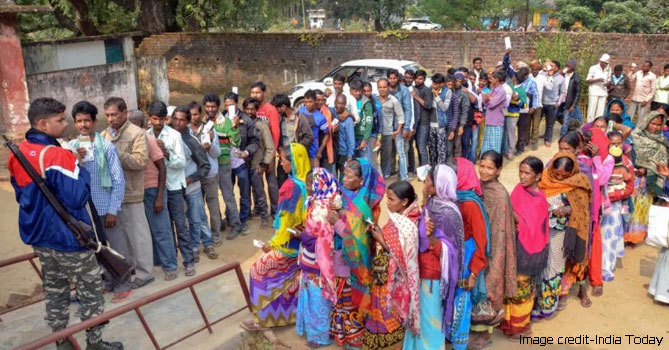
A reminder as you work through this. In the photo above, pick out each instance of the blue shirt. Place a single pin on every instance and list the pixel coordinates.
(318, 123)
(346, 140)
(404, 96)
(106, 201)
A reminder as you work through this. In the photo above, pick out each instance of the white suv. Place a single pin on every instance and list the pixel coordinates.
(370, 70)
(420, 24)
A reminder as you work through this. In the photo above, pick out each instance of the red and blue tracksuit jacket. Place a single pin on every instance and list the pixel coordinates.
(39, 224)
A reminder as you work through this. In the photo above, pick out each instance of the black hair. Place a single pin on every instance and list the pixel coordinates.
(534, 163)
(339, 77)
(449, 77)
(557, 64)
(666, 66)
(616, 102)
(499, 75)
(650, 63)
(43, 108)
(159, 109)
(410, 72)
(438, 78)
(403, 190)
(393, 72)
(477, 59)
(367, 84)
(194, 105)
(494, 157)
(251, 100)
(355, 85)
(450, 71)
(259, 84)
(185, 110)
(615, 117)
(211, 97)
(232, 96)
(355, 166)
(287, 151)
(421, 72)
(483, 76)
(84, 107)
(380, 80)
(311, 94)
(598, 118)
(118, 102)
(463, 70)
(615, 133)
(565, 163)
(318, 92)
(280, 100)
(522, 74)
(572, 138)
(618, 67)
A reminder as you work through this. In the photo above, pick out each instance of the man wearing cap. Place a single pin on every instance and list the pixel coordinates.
(644, 90)
(599, 77)
(572, 94)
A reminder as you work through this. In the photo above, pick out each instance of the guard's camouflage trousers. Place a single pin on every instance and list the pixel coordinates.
(80, 268)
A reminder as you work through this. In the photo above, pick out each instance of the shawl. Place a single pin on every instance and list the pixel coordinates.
(650, 149)
(531, 208)
(600, 140)
(442, 210)
(578, 190)
(501, 268)
(324, 188)
(100, 160)
(290, 210)
(401, 235)
(469, 189)
(358, 207)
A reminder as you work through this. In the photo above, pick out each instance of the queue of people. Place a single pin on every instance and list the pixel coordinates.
(464, 258)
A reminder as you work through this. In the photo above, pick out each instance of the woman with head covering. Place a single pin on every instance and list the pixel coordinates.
(362, 191)
(568, 193)
(531, 211)
(477, 226)
(440, 242)
(317, 286)
(273, 277)
(501, 268)
(395, 286)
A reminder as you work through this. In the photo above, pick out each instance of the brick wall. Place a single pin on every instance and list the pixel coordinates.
(198, 63)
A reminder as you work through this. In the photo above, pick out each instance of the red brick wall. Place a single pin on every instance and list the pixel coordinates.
(198, 63)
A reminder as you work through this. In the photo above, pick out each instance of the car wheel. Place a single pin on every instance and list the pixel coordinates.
(414, 28)
(298, 103)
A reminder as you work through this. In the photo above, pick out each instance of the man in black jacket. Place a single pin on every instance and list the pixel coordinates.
(241, 156)
(573, 95)
(197, 168)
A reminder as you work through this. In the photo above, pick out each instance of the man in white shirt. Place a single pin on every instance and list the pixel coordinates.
(661, 98)
(338, 84)
(644, 90)
(598, 77)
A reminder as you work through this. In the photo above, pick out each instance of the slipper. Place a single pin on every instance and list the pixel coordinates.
(585, 302)
(252, 326)
(171, 275)
(139, 283)
(120, 296)
(597, 291)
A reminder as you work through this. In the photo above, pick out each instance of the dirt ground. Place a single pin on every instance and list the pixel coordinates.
(625, 308)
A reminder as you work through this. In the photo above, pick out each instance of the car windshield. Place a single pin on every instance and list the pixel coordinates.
(414, 67)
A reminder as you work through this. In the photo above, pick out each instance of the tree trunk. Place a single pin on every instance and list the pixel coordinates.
(64, 21)
(152, 16)
(84, 23)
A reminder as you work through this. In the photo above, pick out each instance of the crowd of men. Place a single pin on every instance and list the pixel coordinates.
(151, 174)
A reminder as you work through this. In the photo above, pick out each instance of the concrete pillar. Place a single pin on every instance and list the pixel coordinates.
(14, 100)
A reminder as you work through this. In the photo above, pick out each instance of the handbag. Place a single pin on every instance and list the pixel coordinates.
(658, 226)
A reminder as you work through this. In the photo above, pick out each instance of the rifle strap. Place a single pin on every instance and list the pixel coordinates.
(41, 161)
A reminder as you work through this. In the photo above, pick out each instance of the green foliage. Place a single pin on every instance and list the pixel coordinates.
(569, 15)
(313, 39)
(397, 34)
(384, 13)
(623, 17)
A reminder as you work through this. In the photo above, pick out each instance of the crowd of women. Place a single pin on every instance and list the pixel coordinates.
(465, 257)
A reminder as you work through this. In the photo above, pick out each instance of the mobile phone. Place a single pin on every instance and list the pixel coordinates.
(258, 243)
(232, 111)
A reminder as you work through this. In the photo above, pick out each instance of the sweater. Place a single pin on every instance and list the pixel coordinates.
(130, 142)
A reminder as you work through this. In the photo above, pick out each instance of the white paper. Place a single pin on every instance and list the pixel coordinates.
(235, 90)
(85, 143)
(204, 138)
(422, 172)
(507, 42)
(335, 122)
(258, 243)
(232, 111)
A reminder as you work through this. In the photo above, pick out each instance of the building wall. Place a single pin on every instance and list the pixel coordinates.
(198, 63)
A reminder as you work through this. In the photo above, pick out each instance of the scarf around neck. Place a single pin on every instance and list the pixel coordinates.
(100, 160)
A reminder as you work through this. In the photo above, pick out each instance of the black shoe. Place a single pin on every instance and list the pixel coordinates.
(234, 232)
(103, 345)
(64, 344)
(243, 230)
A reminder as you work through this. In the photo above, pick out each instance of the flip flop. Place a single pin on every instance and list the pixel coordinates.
(252, 326)
(585, 302)
(597, 291)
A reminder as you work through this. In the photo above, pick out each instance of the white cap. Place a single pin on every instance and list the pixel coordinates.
(170, 110)
(605, 58)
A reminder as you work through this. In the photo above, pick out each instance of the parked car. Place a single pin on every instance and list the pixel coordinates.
(367, 70)
(420, 24)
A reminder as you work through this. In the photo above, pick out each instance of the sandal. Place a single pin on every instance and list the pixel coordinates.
(171, 275)
(597, 291)
(585, 301)
(121, 296)
(211, 253)
(252, 326)
(139, 283)
(562, 304)
(312, 345)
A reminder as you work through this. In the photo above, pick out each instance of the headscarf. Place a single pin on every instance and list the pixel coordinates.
(358, 207)
(627, 120)
(650, 149)
(469, 190)
(578, 190)
(444, 212)
(324, 189)
(290, 211)
(531, 208)
(602, 142)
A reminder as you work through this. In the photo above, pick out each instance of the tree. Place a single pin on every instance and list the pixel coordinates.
(623, 17)
(384, 13)
(571, 14)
